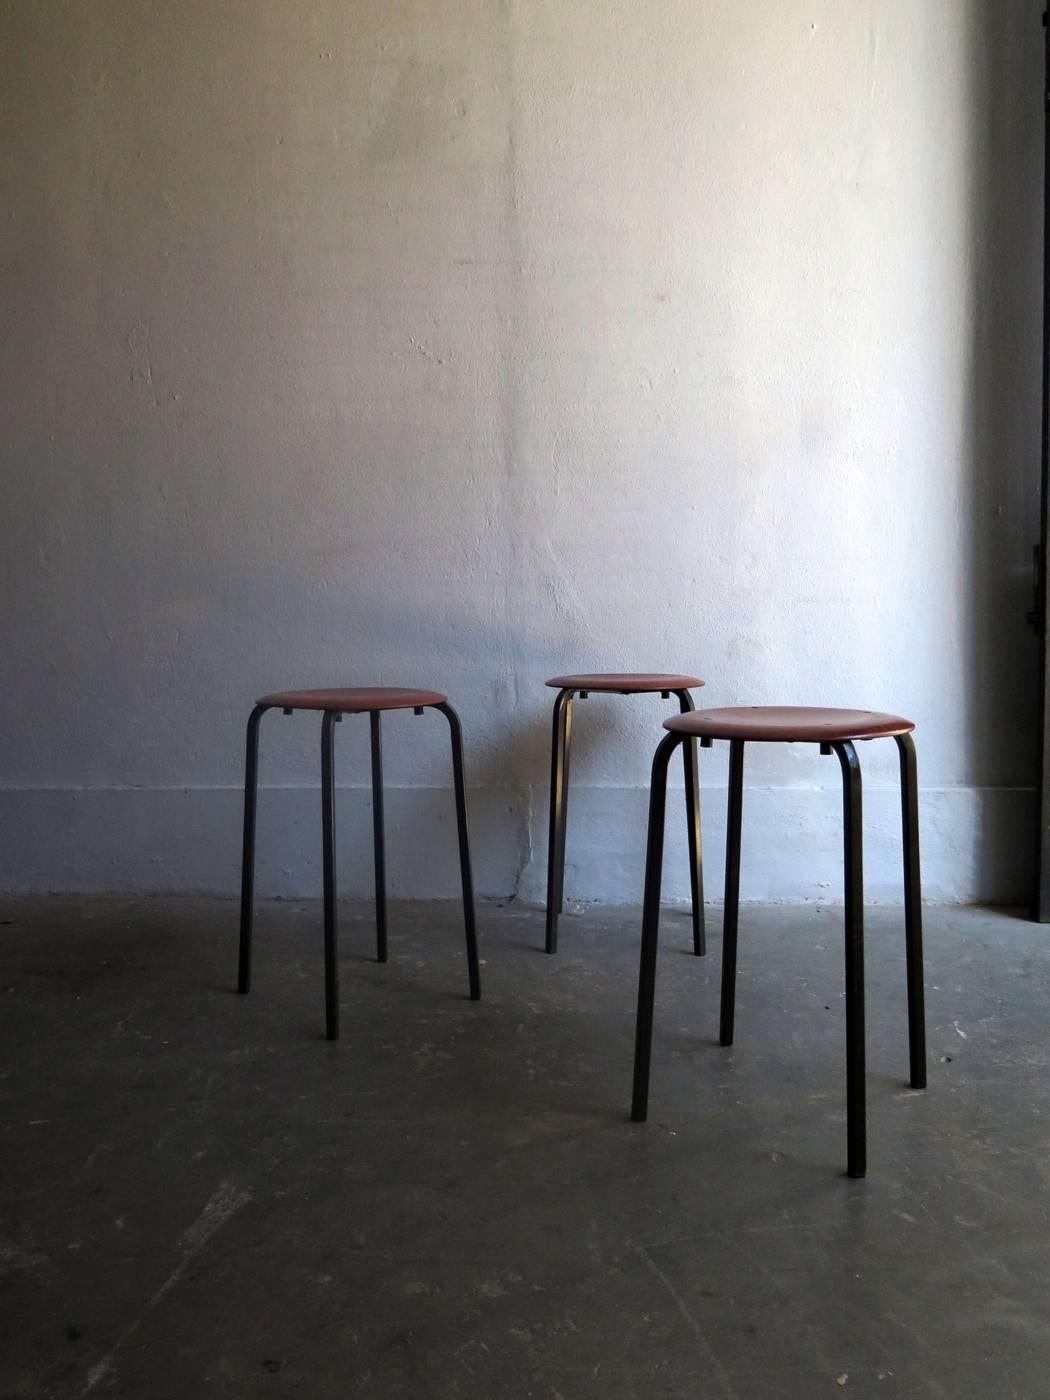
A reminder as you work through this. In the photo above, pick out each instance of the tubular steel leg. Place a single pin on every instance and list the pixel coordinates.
(913, 910)
(331, 966)
(564, 804)
(378, 843)
(561, 728)
(654, 856)
(731, 914)
(692, 819)
(251, 792)
(853, 850)
(466, 878)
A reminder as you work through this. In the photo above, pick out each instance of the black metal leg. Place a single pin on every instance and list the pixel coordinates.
(466, 877)
(251, 793)
(913, 910)
(561, 729)
(731, 915)
(331, 966)
(853, 850)
(692, 820)
(564, 825)
(378, 844)
(654, 859)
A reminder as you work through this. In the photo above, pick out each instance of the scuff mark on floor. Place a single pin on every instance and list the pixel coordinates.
(15, 1256)
(224, 1202)
(717, 1369)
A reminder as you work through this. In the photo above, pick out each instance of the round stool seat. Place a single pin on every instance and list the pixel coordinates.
(788, 724)
(625, 683)
(354, 700)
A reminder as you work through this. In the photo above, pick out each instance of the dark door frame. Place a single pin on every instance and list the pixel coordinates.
(1041, 614)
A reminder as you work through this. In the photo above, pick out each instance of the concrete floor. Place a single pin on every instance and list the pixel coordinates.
(203, 1198)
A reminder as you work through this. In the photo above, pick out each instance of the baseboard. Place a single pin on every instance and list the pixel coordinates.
(977, 842)
(977, 845)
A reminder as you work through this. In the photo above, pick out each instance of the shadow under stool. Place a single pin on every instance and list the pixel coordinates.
(333, 704)
(628, 683)
(835, 731)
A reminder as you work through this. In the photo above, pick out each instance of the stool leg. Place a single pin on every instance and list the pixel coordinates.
(853, 851)
(731, 914)
(913, 910)
(567, 747)
(466, 877)
(692, 820)
(331, 966)
(378, 843)
(654, 856)
(251, 792)
(561, 729)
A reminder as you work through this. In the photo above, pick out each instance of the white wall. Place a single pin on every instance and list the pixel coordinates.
(457, 343)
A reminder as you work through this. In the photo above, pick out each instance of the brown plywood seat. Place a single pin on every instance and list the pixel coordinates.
(354, 700)
(788, 724)
(625, 683)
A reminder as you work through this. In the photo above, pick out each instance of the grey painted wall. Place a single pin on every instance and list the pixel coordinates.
(456, 343)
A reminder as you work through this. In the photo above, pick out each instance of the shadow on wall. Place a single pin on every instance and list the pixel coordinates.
(1002, 435)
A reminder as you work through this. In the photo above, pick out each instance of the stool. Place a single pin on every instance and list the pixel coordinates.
(334, 704)
(835, 731)
(617, 684)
